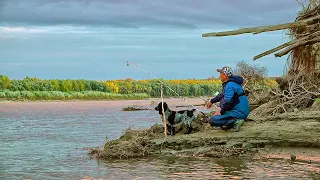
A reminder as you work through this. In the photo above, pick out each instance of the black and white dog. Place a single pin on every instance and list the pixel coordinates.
(174, 118)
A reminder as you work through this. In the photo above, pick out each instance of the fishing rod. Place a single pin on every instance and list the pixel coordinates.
(132, 63)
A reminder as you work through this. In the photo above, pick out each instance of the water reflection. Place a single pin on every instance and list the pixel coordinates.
(208, 168)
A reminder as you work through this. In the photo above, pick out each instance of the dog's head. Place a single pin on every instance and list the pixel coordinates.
(159, 107)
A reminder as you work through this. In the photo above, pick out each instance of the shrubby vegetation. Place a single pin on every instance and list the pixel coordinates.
(55, 89)
(38, 89)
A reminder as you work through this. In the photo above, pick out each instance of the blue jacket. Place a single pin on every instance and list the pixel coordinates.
(233, 100)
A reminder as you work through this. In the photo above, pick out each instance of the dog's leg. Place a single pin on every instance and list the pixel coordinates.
(189, 130)
(173, 130)
(169, 129)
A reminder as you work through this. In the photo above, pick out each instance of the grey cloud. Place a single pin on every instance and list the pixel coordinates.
(146, 13)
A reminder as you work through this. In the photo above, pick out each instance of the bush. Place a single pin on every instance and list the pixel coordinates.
(252, 74)
(2, 94)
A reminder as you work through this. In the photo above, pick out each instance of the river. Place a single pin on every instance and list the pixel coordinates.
(50, 140)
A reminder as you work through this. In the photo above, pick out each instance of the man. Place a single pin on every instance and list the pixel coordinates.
(234, 104)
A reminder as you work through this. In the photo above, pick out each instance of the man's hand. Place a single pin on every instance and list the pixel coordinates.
(209, 104)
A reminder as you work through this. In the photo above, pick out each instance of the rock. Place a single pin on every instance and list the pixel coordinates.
(293, 157)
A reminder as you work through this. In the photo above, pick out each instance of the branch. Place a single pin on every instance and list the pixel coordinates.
(260, 29)
(273, 50)
(310, 36)
(300, 43)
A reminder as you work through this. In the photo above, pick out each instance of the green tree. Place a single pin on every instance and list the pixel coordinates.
(75, 86)
(55, 84)
(5, 82)
(66, 85)
(82, 85)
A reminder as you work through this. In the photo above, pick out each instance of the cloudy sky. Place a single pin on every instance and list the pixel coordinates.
(93, 39)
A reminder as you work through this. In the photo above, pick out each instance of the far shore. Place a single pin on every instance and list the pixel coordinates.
(174, 103)
(174, 100)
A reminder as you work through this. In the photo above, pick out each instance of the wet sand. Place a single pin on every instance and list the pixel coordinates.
(87, 105)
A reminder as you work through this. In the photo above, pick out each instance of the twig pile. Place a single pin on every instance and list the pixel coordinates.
(294, 92)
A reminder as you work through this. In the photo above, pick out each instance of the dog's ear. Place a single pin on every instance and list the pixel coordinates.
(165, 106)
(157, 108)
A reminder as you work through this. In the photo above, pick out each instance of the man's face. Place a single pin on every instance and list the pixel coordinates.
(223, 77)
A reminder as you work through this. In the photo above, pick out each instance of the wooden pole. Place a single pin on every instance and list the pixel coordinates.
(260, 29)
(163, 115)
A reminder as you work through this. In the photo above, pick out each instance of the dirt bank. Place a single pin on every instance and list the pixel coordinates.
(298, 129)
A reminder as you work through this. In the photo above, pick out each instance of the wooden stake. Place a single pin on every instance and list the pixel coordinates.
(163, 115)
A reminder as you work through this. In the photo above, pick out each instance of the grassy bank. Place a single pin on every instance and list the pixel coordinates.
(58, 95)
(291, 130)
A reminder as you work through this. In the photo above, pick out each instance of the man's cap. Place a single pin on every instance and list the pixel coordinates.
(226, 70)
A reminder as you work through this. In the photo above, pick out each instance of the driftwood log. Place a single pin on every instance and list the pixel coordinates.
(260, 29)
(305, 31)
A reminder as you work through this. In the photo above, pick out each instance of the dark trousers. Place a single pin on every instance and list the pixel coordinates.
(222, 120)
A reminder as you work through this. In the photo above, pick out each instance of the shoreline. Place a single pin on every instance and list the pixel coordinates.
(108, 105)
(173, 102)
(80, 100)
(298, 130)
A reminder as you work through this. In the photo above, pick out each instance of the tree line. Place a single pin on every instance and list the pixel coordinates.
(35, 88)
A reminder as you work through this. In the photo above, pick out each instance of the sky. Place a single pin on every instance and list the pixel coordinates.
(93, 39)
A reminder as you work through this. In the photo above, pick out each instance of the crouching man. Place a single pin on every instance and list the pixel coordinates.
(234, 104)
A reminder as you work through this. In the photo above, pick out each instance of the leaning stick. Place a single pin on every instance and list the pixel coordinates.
(273, 50)
(163, 115)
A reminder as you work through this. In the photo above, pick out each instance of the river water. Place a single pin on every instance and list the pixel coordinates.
(50, 140)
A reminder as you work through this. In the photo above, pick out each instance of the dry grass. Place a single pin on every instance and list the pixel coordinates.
(133, 143)
(138, 143)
